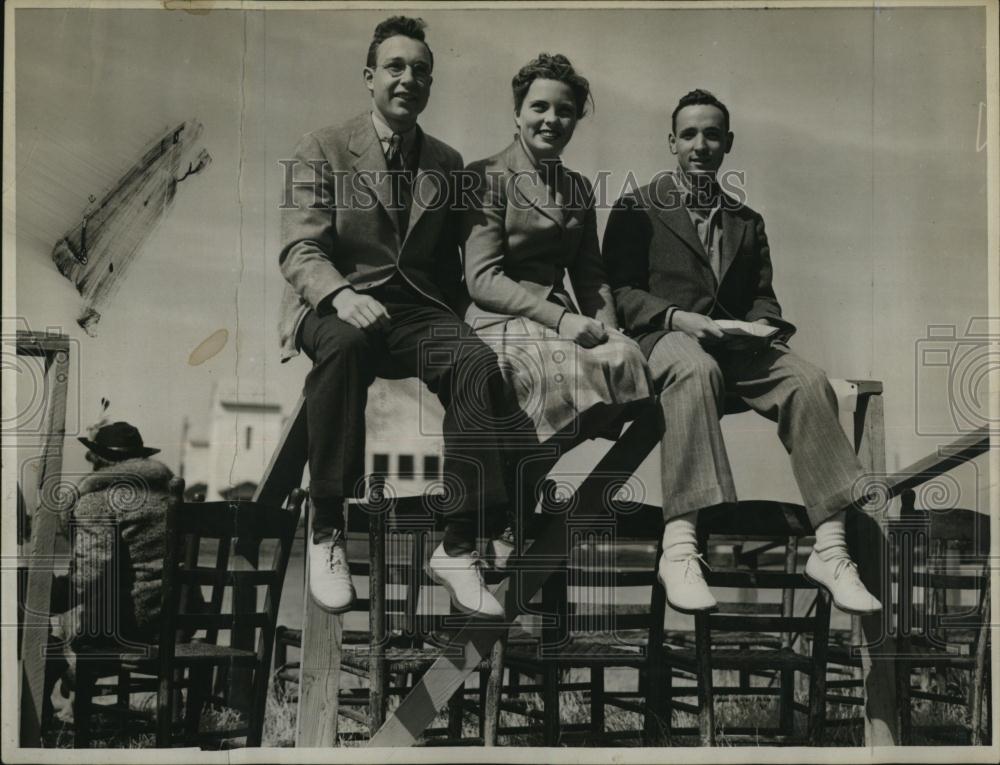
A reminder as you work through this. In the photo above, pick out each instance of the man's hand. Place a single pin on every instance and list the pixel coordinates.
(361, 311)
(581, 330)
(698, 326)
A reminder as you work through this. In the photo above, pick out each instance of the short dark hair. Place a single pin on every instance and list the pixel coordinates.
(393, 26)
(695, 97)
(553, 66)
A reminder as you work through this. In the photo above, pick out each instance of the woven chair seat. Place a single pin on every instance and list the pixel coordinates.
(685, 639)
(755, 658)
(187, 653)
(580, 652)
(397, 659)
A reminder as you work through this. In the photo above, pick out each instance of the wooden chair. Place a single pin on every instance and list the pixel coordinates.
(233, 535)
(388, 544)
(845, 647)
(944, 613)
(585, 624)
(750, 638)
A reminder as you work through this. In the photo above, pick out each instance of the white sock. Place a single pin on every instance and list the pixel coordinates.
(831, 538)
(680, 538)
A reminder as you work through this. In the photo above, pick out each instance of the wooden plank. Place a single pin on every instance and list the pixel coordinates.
(284, 471)
(322, 632)
(549, 552)
(869, 541)
(319, 675)
(963, 449)
(44, 527)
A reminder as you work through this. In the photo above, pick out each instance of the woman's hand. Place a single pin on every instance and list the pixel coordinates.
(581, 330)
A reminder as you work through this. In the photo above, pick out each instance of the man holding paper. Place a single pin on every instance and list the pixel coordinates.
(691, 272)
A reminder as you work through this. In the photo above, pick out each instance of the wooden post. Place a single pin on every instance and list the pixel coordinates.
(706, 697)
(54, 348)
(322, 632)
(319, 674)
(817, 682)
(377, 572)
(494, 689)
(869, 542)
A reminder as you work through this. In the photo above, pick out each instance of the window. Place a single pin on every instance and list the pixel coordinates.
(380, 464)
(406, 469)
(249, 436)
(432, 467)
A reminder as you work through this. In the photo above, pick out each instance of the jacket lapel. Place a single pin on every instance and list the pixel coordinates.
(369, 163)
(427, 183)
(672, 213)
(529, 187)
(733, 230)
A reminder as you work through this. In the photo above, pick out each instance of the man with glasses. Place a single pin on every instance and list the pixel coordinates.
(370, 254)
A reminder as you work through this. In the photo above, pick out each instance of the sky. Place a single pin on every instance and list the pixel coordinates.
(859, 131)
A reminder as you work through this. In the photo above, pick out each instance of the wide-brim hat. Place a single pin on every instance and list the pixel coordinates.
(118, 441)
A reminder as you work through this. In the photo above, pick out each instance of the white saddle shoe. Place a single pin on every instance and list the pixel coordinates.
(838, 575)
(681, 576)
(462, 576)
(329, 575)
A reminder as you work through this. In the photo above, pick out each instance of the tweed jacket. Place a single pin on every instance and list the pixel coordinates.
(656, 261)
(521, 238)
(339, 223)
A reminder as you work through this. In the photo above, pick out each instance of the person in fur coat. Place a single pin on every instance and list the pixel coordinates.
(118, 526)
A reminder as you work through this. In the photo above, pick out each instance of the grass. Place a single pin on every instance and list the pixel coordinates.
(280, 718)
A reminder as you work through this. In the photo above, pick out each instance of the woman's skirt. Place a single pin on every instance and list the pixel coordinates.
(555, 380)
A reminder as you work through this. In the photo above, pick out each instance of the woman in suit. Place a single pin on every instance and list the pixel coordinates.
(533, 222)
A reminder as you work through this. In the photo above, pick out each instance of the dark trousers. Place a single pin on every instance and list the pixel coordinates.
(427, 342)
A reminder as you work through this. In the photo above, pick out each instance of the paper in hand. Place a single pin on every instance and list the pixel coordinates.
(746, 334)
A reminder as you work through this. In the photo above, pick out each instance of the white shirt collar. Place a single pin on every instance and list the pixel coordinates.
(385, 133)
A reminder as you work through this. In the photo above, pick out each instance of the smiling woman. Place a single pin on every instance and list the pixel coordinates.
(534, 223)
(549, 99)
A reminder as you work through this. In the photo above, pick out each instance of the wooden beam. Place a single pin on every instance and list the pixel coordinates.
(869, 542)
(44, 527)
(946, 458)
(284, 471)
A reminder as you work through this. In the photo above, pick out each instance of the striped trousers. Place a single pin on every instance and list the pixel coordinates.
(692, 382)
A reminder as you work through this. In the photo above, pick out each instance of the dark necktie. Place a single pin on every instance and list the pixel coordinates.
(400, 182)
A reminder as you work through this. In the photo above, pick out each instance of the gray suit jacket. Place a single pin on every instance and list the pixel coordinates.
(520, 240)
(339, 227)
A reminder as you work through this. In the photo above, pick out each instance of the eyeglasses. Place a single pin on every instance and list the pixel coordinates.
(420, 71)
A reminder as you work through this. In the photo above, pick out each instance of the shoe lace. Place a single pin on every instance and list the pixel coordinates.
(336, 559)
(692, 560)
(846, 564)
(478, 564)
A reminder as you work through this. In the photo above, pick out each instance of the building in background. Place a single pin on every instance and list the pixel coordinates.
(225, 455)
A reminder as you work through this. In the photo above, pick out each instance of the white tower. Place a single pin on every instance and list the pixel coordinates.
(244, 428)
